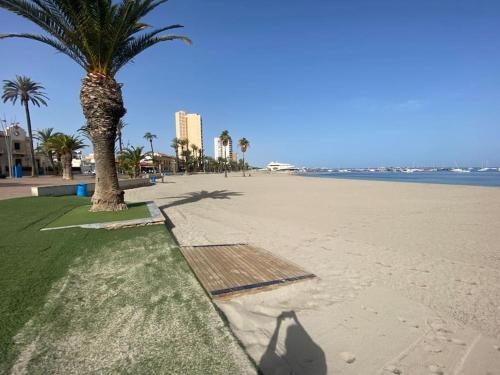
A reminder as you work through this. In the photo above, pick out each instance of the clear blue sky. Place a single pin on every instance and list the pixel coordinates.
(311, 82)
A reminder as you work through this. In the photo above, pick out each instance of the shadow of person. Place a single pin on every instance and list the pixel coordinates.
(301, 355)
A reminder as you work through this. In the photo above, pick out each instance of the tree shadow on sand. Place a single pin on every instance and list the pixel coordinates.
(301, 355)
(197, 196)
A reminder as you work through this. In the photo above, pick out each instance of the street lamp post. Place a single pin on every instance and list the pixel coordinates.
(8, 146)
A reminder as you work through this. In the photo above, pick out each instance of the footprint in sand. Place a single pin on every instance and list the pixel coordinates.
(369, 309)
(411, 324)
(496, 347)
(435, 369)
(432, 349)
(347, 357)
(458, 342)
(393, 369)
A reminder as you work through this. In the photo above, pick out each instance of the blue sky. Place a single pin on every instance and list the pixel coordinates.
(311, 82)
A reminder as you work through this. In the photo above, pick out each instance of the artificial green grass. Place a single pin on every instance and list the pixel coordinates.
(102, 301)
(81, 215)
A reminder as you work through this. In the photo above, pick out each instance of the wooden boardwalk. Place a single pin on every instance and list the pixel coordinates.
(226, 270)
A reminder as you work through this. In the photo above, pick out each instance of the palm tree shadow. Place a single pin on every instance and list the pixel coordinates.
(302, 354)
(197, 196)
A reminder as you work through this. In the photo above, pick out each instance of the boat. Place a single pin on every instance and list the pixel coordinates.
(274, 166)
(485, 169)
(460, 170)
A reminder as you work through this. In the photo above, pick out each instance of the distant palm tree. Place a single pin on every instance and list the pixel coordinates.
(195, 154)
(225, 138)
(185, 152)
(119, 133)
(130, 160)
(244, 144)
(65, 145)
(175, 145)
(149, 137)
(44, 136)
(26, 90)
(101, 36)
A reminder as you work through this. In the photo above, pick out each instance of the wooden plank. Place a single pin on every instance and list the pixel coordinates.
(233, 269)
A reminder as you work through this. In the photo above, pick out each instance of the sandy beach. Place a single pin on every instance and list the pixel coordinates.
(408, 274)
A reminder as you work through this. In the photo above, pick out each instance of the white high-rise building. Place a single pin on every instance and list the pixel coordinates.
(221, 151)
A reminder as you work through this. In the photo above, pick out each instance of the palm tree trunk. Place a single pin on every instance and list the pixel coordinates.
(176, 166)
(102, 104)
(67, 167)
(243, 164)
(225, 162)
(152, 155)
(34, 167)
(120, 143)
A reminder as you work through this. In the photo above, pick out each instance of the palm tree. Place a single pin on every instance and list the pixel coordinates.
(101, 36)
(119, 133)
(244, 144)
(65, 145)
(130, 160)
(225, 138)
(175, 146)
(149, 137)
(195, 154)
(44, 136)
(185, 153)
(26, 90)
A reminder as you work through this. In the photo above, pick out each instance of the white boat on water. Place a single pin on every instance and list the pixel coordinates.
(281, 167)
(460, 170)
(412, 170)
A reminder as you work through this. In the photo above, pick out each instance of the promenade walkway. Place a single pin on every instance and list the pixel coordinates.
(21, 187)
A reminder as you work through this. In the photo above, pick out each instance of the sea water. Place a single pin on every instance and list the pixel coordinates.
(475, 178)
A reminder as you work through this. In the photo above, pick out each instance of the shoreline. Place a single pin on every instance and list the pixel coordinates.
(397, 264)
(398, 179)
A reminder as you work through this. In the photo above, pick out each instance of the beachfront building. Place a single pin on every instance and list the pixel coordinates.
(221, 151)
(15, 145)
(163, 162)
(189, 126)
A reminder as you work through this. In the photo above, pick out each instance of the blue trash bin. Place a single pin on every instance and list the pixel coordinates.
(153, 180)
(81, 190)
(18, 171)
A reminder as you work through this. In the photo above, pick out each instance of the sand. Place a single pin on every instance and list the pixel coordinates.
(408, 274)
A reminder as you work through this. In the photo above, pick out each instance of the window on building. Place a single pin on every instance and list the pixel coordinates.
(17, 146)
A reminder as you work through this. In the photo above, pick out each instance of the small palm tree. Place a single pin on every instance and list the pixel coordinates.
(44, 136)
(25, 90)
(65, 145)
(130, 160)
(225, 138)
(184, 144)
(101, 36)
(119, 133)
(195, 154)
(149, 137)
(244, 144)
(175, 146)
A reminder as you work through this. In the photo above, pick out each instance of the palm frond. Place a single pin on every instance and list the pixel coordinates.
(24, 89)
(100, 35)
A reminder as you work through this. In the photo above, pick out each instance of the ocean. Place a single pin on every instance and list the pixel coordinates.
(474, 178)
